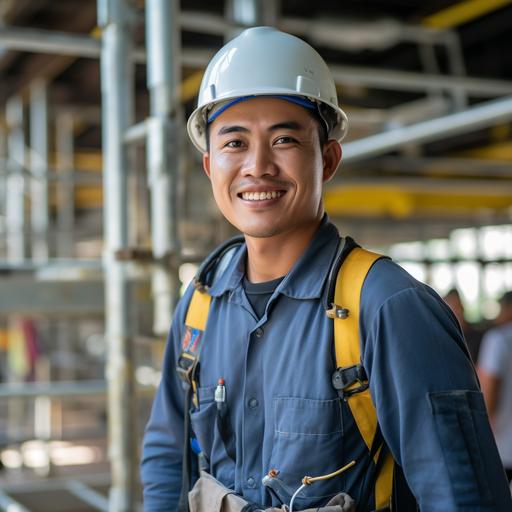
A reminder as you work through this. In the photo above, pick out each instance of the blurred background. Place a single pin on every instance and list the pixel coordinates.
(105, 211)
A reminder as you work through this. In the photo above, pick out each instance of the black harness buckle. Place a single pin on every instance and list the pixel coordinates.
(345, 377)
(186, 366)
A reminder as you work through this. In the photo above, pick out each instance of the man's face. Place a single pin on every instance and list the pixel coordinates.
(267, 168)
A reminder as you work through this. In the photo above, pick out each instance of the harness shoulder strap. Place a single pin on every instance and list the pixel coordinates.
(188, 361)
(345, 311)
(198, 309)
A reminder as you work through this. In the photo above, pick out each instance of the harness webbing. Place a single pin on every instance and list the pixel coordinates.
(197, 313)
(349, 283)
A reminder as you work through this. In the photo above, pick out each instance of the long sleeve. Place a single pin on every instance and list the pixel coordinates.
(163, 439)
(429, 405)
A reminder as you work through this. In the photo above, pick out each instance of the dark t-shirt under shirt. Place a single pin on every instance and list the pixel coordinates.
(259, 294)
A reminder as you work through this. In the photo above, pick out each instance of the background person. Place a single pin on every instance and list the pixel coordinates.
(472, 332)
(495, 372)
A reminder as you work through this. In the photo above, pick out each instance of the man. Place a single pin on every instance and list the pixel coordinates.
(266, 412)
(472, 332)
(495, 371)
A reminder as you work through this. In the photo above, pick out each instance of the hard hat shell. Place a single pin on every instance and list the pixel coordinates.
(264, 61)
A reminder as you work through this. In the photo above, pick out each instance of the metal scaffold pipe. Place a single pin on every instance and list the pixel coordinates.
(15, 183)
(64, 141)
(116, 18)
(39, 213)
(474, 118)
(3, 176)
(163, 130)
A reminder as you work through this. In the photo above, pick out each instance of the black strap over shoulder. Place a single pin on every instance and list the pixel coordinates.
(345, 246)
(188, 364)
(216, 263)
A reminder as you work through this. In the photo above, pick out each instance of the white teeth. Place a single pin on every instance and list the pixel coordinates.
(261, 196)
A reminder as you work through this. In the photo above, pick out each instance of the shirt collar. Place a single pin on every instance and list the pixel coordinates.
(307, 277)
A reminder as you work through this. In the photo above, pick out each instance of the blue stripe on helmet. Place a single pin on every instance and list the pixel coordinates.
(298, 100)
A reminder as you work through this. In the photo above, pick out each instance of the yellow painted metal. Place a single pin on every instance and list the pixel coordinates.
(83, 161)
(398, 202)
(463, 12)
(190, 85)
(496, 151)
(89, 197)
(88, 161)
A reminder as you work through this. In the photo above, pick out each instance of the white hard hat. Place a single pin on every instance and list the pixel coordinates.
(264, 61)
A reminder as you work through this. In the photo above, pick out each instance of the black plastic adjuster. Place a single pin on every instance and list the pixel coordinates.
(343, 378)
(186, 366)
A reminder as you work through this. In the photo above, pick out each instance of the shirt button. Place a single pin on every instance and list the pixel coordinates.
(253, 403)
(259, 332)
(250, 482)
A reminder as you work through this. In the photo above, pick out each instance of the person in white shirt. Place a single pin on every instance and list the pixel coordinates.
(495, 372)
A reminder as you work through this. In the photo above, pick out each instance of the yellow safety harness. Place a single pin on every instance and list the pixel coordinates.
(349, 270)
(349, 283)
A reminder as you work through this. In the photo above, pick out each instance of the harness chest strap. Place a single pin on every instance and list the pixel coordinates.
(349, 283)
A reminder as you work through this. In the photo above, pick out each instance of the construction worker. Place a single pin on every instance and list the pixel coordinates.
(250, 379)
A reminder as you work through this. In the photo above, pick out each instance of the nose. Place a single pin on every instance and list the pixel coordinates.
(260, 162)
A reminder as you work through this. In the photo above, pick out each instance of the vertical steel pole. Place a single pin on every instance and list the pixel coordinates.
(39, 169)
(3, 191)
(117, 18)
(64, 142)
(164, 128)
(250, 13)
(39, 220)
(15, 201)
(15, 220)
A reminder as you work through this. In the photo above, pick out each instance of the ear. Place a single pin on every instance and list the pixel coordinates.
(206, 164)
(331, 158)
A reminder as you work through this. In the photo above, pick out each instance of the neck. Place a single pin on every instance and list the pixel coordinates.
(273, 257)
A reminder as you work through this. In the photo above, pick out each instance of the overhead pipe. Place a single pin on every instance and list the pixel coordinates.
(46, 41)
(481, 116)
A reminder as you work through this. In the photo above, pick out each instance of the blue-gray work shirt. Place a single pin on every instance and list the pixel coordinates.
(285, 413)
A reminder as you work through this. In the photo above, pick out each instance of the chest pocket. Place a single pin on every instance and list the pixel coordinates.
(203, 421)
(307, 438)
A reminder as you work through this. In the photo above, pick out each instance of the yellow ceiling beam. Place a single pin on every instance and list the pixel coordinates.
(463, 12)
(496, 151)
(400, 203)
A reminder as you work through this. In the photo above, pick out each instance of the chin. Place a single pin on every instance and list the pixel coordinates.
(259, 231)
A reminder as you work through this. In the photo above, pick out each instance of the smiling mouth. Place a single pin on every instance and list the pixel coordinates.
(261, 196)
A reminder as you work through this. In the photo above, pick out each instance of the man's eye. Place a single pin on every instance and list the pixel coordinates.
(285, 140)
(233, 144)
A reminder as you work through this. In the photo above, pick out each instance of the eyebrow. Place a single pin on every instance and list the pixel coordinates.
(285, 125)
(231, 129)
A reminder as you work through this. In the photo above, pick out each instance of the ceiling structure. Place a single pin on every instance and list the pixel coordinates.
(398, 65)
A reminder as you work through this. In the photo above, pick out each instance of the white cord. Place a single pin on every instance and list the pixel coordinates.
(295, 495)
